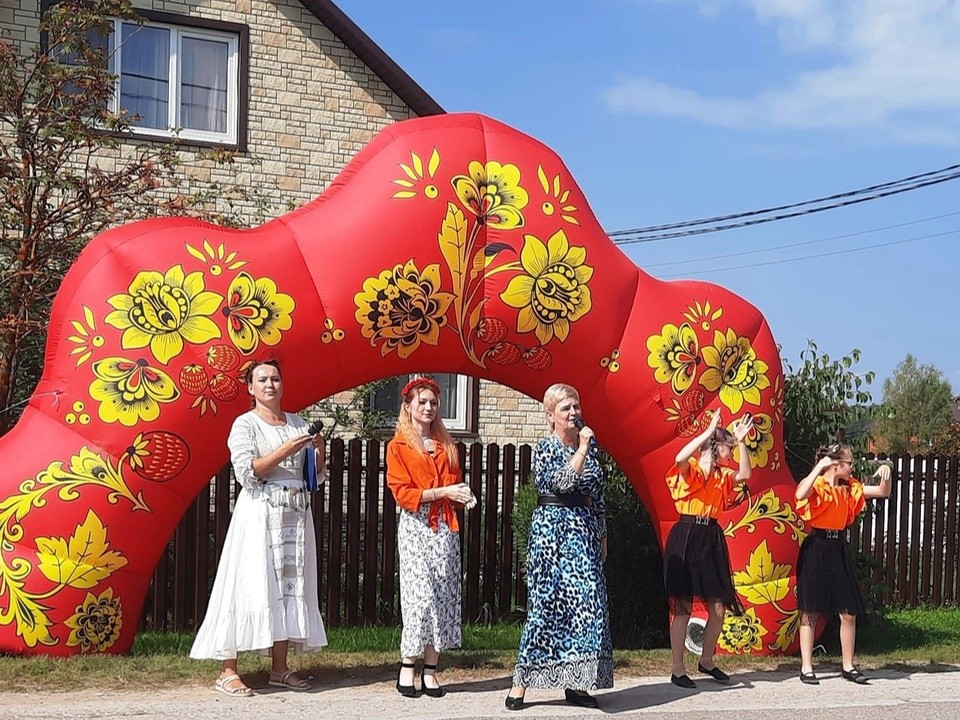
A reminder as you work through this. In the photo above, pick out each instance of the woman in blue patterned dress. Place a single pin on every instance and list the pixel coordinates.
(566, 638)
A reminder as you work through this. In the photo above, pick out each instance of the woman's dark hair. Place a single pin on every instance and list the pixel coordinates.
(721, 436)
(248, 375)
(835, 451)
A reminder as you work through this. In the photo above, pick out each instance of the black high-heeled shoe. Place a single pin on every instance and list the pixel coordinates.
(580, 698)
(407, 690)
(429, 691)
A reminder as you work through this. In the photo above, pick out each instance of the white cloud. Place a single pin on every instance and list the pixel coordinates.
(891, 65)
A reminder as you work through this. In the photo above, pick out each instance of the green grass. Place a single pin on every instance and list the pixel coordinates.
(917, 638)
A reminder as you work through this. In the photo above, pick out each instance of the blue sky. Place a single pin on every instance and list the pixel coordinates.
(673, 110)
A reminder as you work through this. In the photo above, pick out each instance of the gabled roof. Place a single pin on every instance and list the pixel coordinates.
(414, 96)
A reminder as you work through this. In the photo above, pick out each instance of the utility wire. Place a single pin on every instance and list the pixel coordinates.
(756, 217)
(815, 256)
(800, 244)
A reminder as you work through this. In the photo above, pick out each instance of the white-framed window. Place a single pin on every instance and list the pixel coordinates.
(456, 398)
(179, 81)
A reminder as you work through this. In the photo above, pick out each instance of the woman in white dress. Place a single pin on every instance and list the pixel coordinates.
(265, 594)
(424, 475)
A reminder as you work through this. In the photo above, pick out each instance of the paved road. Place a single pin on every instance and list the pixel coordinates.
(902, 694)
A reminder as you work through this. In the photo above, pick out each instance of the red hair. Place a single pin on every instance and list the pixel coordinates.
(438, 431)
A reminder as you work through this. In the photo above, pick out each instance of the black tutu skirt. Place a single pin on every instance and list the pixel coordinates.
(696, 566)
(827, 580)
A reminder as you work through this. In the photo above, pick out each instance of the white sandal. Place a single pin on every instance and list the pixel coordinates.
(222, 685)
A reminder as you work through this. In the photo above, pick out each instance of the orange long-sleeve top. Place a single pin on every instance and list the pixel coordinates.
(832, 508)
(695, 494)
(410, 472)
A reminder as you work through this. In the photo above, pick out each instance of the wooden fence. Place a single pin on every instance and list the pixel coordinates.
(910, 539)
(355, 518)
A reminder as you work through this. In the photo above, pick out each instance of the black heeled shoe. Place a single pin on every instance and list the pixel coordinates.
(429, 691)
(580, 698)
(407, 690)
(513, 702)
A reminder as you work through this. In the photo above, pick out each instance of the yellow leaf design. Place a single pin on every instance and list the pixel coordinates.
(83, 560)
(763, 581)
(33, 625)
(196, 253)
(434, 163)
(453, 240)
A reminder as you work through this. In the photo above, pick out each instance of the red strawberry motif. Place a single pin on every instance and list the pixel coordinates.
(505, 353)
(537, 358)
(158, 455)
(193, 379)
(687, 426)
(692, 400)
(491, 330)
(224, 388)
(223, 358)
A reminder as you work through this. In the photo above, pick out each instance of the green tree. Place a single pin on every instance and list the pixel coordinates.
(916, 415)
(825, 400)
(70, 170)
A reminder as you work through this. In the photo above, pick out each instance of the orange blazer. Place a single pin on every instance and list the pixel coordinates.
(410, 472)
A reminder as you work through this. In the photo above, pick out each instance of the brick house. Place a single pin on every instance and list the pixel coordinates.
(297, 90)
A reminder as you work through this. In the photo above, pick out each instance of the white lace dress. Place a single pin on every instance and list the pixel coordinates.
(265, 590)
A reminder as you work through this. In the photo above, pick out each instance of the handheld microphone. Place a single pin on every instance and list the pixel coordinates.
(578, 421)
(315, 427)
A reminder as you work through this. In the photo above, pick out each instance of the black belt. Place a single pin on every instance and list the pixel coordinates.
(697, 520)
(565, 500)
(829, 534)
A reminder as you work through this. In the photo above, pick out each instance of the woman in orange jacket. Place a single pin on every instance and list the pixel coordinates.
(423, 474)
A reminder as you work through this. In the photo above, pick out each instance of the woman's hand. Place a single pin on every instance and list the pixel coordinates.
(294, 445)
(459, 493)
(883, 473)
(714, 422)
(743, 427)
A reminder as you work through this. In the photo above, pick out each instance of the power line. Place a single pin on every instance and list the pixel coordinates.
(815, 256)
(801, 244)
(755, 217)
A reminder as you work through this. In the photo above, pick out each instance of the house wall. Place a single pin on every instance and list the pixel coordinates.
(508, 416)
(313, 105)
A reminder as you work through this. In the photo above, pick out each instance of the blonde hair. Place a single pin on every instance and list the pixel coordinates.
(438, 431)
(552, 397)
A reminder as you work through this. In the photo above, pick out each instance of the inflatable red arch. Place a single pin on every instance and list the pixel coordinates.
(452, 243)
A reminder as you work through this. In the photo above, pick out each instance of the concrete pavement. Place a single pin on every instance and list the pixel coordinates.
(904, 693)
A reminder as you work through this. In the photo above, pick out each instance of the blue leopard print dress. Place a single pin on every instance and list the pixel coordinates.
(566, 638)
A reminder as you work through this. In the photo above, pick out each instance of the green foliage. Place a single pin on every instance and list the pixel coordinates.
(70, 168)
(634, 567)
(353, 415)
(825, 401)
(916, 415)
(524, 502)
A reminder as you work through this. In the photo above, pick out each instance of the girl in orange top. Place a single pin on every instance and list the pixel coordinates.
(424, 476)
(696, 564)
(830, 500)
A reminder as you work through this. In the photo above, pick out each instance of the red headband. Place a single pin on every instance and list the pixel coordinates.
(426, 382)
